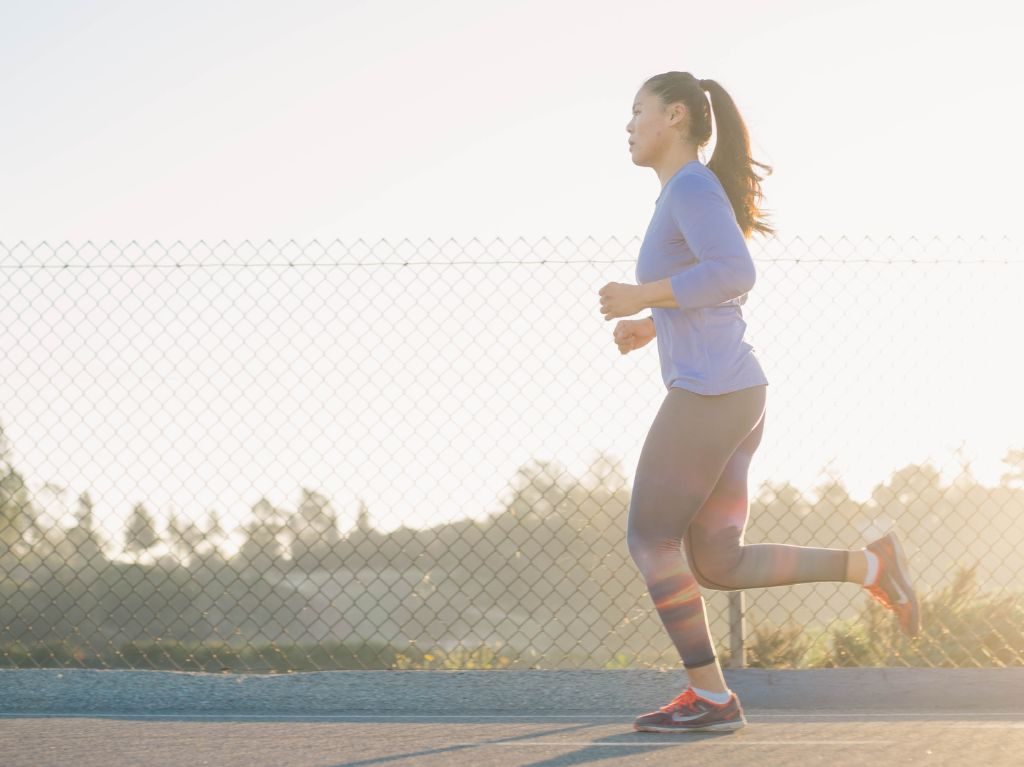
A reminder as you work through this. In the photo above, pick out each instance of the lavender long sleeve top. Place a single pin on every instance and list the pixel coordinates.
(693, 238)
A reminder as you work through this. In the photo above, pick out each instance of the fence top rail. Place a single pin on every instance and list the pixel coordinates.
(474, 251)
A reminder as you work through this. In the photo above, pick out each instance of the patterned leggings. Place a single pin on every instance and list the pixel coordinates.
(691, 489)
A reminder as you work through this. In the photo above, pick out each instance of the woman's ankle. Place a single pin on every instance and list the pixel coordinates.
(856, 566)
(708, 678)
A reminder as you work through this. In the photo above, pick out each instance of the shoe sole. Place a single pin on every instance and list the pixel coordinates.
(714, 727)
(904, 574)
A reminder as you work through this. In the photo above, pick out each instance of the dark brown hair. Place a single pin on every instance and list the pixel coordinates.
(731, 161)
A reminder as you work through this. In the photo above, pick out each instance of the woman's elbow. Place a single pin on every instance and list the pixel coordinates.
(745, 277)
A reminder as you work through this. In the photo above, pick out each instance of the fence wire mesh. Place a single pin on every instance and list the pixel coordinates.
(282, 457)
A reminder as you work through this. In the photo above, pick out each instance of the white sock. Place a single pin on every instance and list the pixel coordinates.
(714, 697)
(872, 572)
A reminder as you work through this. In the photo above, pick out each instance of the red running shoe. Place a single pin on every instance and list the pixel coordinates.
(688, 712)
(892, 588)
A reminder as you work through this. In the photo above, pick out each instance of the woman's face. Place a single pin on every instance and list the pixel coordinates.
(653, 128)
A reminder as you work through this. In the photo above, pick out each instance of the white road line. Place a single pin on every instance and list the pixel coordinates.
(681, 740)
(885, 715)
(989, 725)
(384, 717)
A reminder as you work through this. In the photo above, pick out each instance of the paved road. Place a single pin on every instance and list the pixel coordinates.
(832, 717)
(771, 738)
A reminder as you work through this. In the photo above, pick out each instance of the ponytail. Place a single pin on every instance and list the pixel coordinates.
(731, 161)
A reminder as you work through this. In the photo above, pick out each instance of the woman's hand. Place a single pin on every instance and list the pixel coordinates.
(620, 300)
(632, 334)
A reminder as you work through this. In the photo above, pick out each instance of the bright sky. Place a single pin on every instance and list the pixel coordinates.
(454, 119)
(196, 119)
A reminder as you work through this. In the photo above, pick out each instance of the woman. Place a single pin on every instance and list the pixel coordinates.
(694, 271)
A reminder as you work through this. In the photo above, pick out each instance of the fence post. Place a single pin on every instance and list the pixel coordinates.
(737, 629)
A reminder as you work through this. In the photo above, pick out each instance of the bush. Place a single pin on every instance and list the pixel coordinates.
(960, 627)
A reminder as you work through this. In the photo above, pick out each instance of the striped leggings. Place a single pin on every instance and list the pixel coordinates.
(690, 491)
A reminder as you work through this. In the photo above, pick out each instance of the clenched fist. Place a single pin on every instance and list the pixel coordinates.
(632, 334)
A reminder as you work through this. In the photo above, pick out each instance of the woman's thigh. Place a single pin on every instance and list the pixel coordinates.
(717, 529)
(687, 448)
(728, 503)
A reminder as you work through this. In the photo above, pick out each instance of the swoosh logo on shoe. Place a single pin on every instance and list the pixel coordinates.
(903, 598)
(677, 718)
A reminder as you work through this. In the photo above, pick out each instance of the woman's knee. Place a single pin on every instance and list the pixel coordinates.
(715, 557)
(704, 581)
(641, 548)
(652, 554)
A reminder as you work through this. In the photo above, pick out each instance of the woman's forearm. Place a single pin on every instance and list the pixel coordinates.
(658, 294)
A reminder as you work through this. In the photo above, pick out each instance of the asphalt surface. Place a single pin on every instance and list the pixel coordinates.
(422, 718)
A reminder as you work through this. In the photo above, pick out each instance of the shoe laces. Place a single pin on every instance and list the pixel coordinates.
(684, 699)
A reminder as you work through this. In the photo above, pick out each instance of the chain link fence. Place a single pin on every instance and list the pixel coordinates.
(282, 457)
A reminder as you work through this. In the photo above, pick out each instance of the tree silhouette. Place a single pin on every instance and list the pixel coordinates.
(17, 514)
(1013, 478)
(262, 548)
(83, 538)
(140, 535)
(185, 536)
(315, 535)
(363, 524)
(215, 534)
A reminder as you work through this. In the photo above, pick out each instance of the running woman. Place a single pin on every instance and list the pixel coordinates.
(690, 490)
